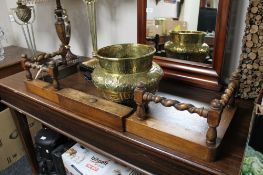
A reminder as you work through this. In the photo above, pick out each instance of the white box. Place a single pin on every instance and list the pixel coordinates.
(82, 161)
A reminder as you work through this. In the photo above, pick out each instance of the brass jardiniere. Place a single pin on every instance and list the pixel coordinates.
(121, 67)
(187, 45)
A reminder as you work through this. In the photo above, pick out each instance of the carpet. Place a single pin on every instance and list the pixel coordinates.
(21, 167)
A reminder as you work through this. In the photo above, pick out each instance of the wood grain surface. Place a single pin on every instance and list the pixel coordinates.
(180, 130)
(94, 108)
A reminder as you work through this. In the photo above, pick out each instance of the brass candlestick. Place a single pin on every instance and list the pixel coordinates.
(45, 62)
(91, 8)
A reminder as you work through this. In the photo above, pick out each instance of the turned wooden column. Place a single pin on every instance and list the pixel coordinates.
(53, 72)
(26, 67)
(138, 98)
(213, 120)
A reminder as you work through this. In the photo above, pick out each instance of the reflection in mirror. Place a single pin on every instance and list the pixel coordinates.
(182, 29)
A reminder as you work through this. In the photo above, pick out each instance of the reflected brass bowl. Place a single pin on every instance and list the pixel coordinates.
(126, 58)
(187, 45)
(121, 67)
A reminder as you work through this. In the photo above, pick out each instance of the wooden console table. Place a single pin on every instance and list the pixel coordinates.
(11, 64)
(143, 155)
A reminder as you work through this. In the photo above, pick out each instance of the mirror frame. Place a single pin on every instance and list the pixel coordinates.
(193, 73)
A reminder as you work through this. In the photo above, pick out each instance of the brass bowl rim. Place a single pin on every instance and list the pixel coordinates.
(188, 32)
(127, 58)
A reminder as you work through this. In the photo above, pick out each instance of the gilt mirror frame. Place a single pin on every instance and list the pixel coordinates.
(193, 73)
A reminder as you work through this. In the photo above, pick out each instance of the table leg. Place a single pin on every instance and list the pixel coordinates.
(24, 133)
(2, 107)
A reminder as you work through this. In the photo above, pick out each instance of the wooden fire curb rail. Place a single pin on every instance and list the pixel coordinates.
(213, 114)
(51, 69)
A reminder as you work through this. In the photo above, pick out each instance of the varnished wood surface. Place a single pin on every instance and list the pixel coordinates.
(42, 89)
(141, 21)
(199, 128)
(175, 128)
(91, 107)
(11, 64)
(200, 76)
(126, 147)
(82, 103)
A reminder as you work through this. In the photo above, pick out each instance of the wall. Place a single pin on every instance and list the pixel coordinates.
(213, 3)
(116, 23)
(190, 12)
(235, 35)
(5, 24)
(162, 9)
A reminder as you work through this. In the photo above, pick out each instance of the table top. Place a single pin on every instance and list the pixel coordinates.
(13, 55)
(125, 147)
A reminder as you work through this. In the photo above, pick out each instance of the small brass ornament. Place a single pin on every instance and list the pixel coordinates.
(23, 12)
(24, 16)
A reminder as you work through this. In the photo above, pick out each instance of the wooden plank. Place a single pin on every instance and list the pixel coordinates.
(180, 131)
(42, 89)
(94, 108)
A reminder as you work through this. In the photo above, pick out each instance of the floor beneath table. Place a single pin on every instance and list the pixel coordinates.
(21, 167)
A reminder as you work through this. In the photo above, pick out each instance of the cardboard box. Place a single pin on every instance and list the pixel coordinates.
(163, 27)
(11, 148)
(82, 161)
(152, 29)
(174, 25)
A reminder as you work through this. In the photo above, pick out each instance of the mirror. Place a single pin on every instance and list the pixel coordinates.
(189, 36)
(192, 24)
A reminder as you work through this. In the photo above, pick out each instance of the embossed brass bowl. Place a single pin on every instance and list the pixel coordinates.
(121, 67)
(187, 45)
